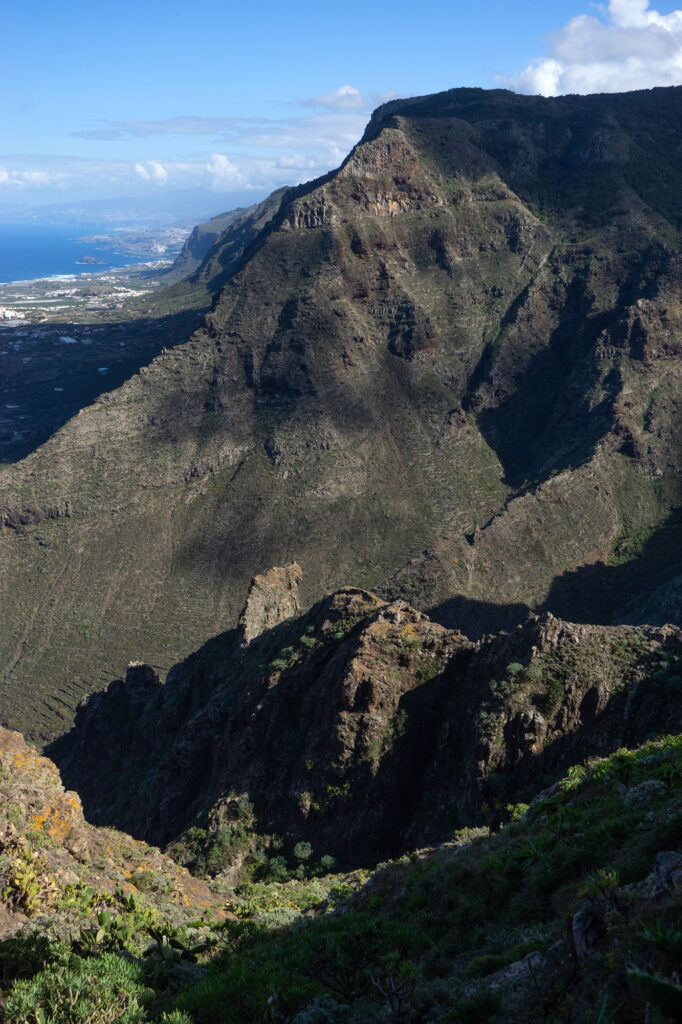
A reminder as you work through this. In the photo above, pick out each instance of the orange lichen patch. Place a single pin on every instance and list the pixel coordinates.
(32, 771)
(53, 821)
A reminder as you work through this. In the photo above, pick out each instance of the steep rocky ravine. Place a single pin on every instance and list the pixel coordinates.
(361, 727)
(451, 365)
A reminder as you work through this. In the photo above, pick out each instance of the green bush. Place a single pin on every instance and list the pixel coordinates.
(97, 990)
(303, 851)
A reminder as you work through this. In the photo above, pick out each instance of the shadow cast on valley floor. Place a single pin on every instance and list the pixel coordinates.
(624, 590)
(47, 380)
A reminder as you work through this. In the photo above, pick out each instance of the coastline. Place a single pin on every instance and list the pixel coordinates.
(157, 264)
(31, 253)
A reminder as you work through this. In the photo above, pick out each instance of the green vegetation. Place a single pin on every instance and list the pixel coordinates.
(94, 991)
(421, 939)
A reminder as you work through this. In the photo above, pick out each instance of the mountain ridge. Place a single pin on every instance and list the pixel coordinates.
(360, 727)
(393, 333)
(448, 371)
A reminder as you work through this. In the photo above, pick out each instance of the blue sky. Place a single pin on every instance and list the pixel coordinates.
(234, 99)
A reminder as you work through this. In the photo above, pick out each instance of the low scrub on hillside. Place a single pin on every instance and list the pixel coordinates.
(570, 913)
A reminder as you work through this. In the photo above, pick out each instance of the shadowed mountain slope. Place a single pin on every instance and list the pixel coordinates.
(362, 727)
(451, 364)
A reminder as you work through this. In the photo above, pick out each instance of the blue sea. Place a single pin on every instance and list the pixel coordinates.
(29, 251)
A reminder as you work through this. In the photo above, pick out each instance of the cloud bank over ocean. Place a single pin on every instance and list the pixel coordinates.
(258, 154)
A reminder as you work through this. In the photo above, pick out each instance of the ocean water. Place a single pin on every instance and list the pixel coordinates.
(28, 251)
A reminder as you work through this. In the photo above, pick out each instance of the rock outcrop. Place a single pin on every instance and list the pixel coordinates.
(48, 848)
(363, 727)
(273, 598)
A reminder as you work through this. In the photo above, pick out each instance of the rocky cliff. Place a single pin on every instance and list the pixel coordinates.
(447, 370)
(361, 727)
(202, 238)
(214, 250)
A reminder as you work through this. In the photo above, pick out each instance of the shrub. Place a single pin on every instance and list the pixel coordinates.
(643, 794)
(321, 1010)
(303, 851)
(91, 991)
(277, 868)
(28, 885)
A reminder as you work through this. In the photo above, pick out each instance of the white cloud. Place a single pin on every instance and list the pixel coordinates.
(252, 153)
(87, 177)
(240, 154)
(158, 172)
(37, 178)
(187, 125)
(636, 14)
(340, 126)
(152, 171)
(346, 97)
(297, 162)
(635, 47)
(221, 127)
(32, 178)
(223, 174)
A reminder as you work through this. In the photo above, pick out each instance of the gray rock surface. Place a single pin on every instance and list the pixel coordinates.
(273, 597)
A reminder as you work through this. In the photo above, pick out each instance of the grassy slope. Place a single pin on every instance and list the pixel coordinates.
(426, 929)
(429, 938)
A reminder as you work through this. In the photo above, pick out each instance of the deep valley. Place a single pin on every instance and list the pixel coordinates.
(341, 576)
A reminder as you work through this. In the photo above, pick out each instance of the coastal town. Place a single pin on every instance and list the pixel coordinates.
(36, 302)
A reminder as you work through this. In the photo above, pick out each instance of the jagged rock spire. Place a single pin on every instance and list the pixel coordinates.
(273, 597)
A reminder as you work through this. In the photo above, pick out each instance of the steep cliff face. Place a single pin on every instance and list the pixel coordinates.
(364, 728)
(450, 365)
(211, 254)
(202, 238)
